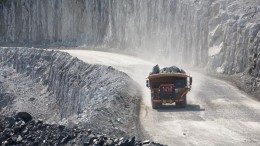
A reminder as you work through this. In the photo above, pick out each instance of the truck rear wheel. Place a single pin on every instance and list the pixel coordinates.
(183, 103)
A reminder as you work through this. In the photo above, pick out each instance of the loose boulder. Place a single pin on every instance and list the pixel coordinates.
(26, 117)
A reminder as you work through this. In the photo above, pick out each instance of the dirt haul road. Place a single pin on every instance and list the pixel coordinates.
(217, 113)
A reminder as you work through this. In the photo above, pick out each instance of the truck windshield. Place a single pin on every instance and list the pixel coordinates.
(180, 83)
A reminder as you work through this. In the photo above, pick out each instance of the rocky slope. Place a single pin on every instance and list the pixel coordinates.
(57, 87)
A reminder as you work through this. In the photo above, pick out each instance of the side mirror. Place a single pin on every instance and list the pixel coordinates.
(190, 81)
(147, 83)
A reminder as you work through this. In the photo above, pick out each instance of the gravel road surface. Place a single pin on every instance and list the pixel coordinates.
(217, 113)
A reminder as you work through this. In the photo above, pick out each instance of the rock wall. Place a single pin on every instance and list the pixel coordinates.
(224, 35)
(221, 35)
(84, 93)
(55, 22)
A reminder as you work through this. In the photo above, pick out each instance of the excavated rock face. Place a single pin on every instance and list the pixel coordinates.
(219, 34)
(58, 87)
(52, 21)
(234, 37)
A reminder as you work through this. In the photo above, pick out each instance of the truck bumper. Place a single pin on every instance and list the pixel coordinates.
(168, 100)
(157, 101)
(164, 101)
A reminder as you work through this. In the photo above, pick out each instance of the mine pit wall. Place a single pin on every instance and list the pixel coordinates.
(91, 95)
(56, 22)
(222, 36)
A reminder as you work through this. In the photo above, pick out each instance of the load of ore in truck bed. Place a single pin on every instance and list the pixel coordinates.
(173, 69)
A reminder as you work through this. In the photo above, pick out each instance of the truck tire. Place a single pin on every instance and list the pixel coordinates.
(156, 105)
(183, 103)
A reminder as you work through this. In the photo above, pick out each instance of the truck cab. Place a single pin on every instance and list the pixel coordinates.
(169, 88)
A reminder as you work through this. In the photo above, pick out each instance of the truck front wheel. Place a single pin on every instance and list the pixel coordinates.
(183, 103)
(156, 105)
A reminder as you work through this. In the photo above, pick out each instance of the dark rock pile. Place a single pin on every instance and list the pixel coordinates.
(23, 130)
(173, 69)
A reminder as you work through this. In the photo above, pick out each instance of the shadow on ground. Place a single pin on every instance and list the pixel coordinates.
(174, 108)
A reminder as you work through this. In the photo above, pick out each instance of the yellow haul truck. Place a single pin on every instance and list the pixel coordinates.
(169, 88)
